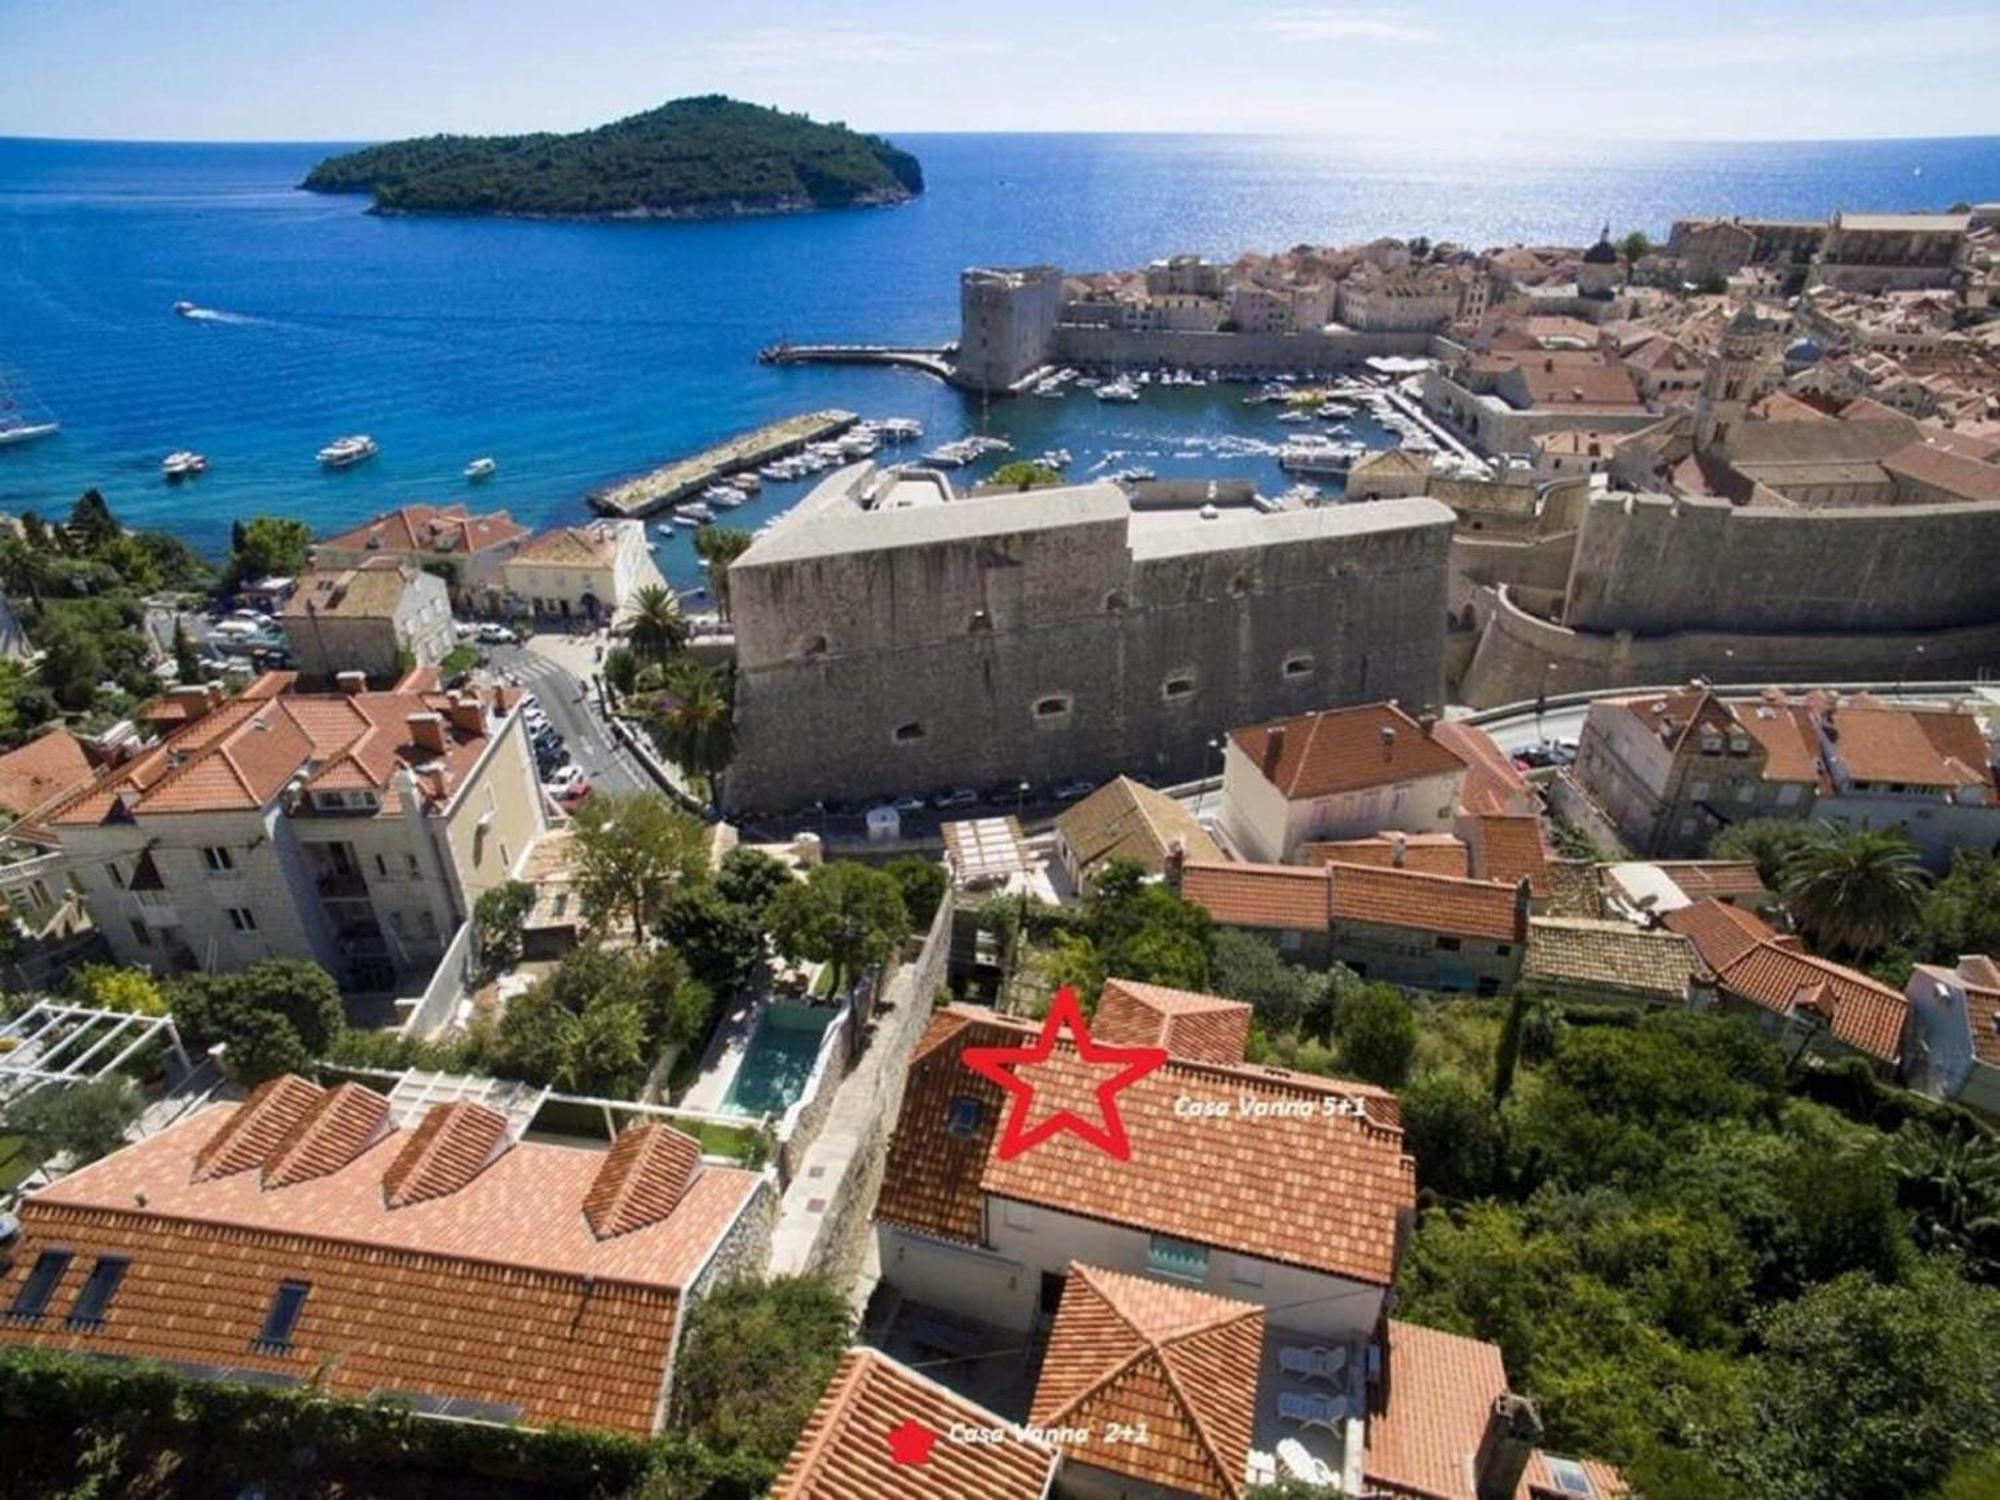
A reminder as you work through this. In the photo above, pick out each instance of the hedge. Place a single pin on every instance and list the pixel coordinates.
(65, 1418)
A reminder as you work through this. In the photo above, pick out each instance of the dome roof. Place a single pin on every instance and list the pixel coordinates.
(1602, 253)
(1803, 352)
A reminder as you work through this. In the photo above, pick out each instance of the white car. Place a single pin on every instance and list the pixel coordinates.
(907, 804)
(498, 635)
(564, 780)
(1071, 791)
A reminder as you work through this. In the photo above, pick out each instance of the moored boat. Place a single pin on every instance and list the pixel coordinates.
(342, 452)
(480, 468)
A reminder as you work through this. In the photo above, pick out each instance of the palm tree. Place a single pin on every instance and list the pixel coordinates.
(655, 623)
(1855, 890)
(695, 722)
(1950, 1180)
(719, 547)
(25, 568)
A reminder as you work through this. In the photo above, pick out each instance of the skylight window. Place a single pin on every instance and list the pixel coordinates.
(98, 1289)
(964, 1117)
(282, 1317)
(1570, 1478)
(35, 1292)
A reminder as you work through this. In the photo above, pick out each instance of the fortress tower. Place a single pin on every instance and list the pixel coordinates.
(1738, 373)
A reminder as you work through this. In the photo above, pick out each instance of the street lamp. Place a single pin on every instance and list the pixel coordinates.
(1201, 791)
(1903, 672)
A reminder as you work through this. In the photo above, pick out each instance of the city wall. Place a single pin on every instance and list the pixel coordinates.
(1075, 344)
(1655, 565)
(1513, 660)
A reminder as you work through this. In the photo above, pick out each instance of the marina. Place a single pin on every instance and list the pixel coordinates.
(675, 481)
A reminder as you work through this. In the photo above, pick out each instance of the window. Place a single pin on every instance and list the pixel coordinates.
(1245, 1271)
(218, 859)
(242, 919)
(410, 867)
(1017, 1215)
(382, 866)
(117, 875)
(1569, 1477)
(1175, 688)
(98, 1289)
(40, 1285)
(981, 622)
(964, 1117)
(1171, 1257)
(908, 733)
(1298, 664)
(1055, 706)
(1447, 944)
(141, 934)
(275, 1337)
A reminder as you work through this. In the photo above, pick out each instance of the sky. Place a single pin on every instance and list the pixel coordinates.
(337, 70)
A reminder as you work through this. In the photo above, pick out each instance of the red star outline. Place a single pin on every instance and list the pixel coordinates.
(911, 1443)
(1109, 1135)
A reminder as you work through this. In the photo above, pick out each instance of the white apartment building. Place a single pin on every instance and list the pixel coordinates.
(588, 572)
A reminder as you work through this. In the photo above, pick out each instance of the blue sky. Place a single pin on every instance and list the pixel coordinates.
(1568, 69)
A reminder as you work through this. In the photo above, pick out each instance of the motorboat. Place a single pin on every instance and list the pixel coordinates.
(722, 496)
(185, 309)
(24, 432)
(747, 482)
(694, 513)
(480, 468)
(1294, 414)
(182, 464)
(342, 452)
(665, 528)
(1120, 389)
(900, 429)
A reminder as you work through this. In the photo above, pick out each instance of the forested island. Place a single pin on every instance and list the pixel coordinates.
(709, 157)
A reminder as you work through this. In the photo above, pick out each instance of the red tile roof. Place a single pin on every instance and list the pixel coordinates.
(1432, 853)
(1203, 1028)
(844, 1452)
(1282, 898)
(1430, 1410)
(1864, 1014)
(1510, 849)
(1325, 1191)
(1345, 750)
(1294, 898)
(1731, 880)
(1493, 783)
(645, 1175)
(41, 770)
(438, 1293)
(1180, 1363)
(434, 530)
(1721, 933)
(1896, 746)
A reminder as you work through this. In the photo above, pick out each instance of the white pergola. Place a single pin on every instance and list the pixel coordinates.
(60, 1044)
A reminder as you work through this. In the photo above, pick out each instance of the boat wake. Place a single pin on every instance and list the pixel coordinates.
(217, 315)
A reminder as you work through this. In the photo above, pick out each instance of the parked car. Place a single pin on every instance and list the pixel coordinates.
(958, 796)
(498, 635)
(1007, 793)
(565, 781)
(1073, 791)
(907, 804)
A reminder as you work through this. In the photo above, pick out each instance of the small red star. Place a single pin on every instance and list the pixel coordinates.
(911, 1443)
(1108, 1132)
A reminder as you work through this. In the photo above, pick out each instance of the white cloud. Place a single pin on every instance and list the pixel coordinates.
(818, 45)
(1344, 25)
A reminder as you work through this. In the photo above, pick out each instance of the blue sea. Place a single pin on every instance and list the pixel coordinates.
(576, 354)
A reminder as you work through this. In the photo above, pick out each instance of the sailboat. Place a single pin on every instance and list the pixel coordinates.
(19, 421)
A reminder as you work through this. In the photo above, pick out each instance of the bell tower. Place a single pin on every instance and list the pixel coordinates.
(1736, 375)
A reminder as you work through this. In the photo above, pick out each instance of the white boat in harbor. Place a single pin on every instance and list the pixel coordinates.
(722, 496)
(480, 468)
(183, 464)
(900, 429)
(24, 432)
(343, 452)
(1120, 389)
(22, 418)
(694, 513)
(747, 482)
(1312, 454)
(665, 528)
(1294, 414)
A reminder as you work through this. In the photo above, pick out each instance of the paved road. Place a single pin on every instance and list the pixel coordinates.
(589, 741)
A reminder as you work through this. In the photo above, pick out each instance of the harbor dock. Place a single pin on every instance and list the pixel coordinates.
(664, 486)
(932, 359)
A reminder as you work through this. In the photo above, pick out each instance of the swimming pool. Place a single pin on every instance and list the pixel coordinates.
(779, 1058)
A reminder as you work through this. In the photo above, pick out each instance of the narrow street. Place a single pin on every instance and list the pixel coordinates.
(585, 735)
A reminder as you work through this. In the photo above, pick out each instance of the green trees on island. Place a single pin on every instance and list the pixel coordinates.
(691, 157)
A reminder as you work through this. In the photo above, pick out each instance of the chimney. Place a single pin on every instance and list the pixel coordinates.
(1523, 904)
(1399, 849)
(467, 714)
(1274, 750)
(1388, 741)
(1513, 1428)
(1428, 723)
(1174, 866)
(427, 732)
(351, 682)
(196, 700)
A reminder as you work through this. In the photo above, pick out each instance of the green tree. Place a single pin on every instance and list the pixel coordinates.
(273, 1017)
(655, 624)
(1961, 912)
(844, 914)
(1948, 1178)
(187, 661)
(268, 546)
(91, 524)
(621, 669)
(750, 878)
(1634, 248)
(263, 1045)
(111, 987)
(719, 546)
(592, 1023)
(756, 1360)
(1712, 284)
(83, 1122)
(1856, 890)
(1450, 1127)
(1377, 1035)
(1144, 931)
(694, 721)
(25, 568)
(629, 852)
(72, 664)
(922, 882)
(1974, 1477)
(1772, 843)
(1025, 474)
(1242, 966)
(1507, 1054)
(496, 921)
(720, 939)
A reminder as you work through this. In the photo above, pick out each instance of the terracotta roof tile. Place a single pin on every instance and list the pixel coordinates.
(1181, 1363)
(589, 546)
(1732, 880)
(1721, 933)
(431, 530)
(1430, 853)
(1125, 820)
(1430, 1410)
(1539, 1481)
(341, 1124)
(645, 1175)
(1204, 1028)
(1345, 749)
(1287, 898)
(843, 1453)
(497, 1293)
(1510, 848)
(1613, 957)
(1892, 746)
(1867, 1016)
(1493, 784)
(1292, 898)
(45, 768)
(449, 1148)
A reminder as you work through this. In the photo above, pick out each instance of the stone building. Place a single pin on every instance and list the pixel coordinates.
(1892, 252)
(886, 648)
(466, 550)
(1007, 318)
(588, 572)
(380, 619)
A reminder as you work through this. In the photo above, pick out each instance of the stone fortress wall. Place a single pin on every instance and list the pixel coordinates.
(1077, 645)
